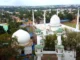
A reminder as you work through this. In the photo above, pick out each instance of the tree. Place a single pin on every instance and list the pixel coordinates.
(72, 41)
(61, 16)
(50, 42)
(13, 26)
(70, 16)
(5, 47)
(38, 16)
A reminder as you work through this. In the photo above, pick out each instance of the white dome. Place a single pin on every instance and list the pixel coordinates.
(22, 36)
(55, 21)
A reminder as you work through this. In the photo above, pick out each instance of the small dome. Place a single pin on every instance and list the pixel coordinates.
(60, 30)
(22, 36)
(55, 21)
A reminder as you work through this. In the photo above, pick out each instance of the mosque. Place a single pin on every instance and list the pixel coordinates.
(23, 37)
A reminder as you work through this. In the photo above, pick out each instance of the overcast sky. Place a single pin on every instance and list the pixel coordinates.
(37, 2)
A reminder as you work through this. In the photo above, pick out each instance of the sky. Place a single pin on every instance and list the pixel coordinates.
(37, 2)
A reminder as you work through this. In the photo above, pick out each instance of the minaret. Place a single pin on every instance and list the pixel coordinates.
(49, 10)
(44, 22)
(77, 24)
(57, 12)
(44, 17)
(59, 39)
(33, 16)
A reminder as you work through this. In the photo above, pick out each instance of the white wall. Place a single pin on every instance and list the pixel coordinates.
(69, 55)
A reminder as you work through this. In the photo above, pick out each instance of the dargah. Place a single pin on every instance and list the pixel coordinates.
(41, 31)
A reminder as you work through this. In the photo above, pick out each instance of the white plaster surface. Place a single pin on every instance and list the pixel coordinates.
(69, 55)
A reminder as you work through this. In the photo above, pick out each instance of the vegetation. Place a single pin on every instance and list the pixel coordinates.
(70, 24)
(1, 30)
(72, 42)
(50, 42)
(6, 48)
(6, 42)
(7, 51)
(74, 38)
(23, 14)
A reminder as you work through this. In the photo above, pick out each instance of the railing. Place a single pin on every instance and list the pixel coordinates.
(49, 52)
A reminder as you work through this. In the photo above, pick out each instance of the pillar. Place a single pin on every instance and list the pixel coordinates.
(38, 51)
(59, 39)
(59, 47)
(33, 16)
(44, 32)
(39, 54)
(77, 24)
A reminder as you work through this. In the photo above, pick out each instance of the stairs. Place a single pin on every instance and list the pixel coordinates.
(49, 57)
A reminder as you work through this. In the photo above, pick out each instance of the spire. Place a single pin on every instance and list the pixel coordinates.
(44, 16)
(44, 22)
(33, 16)
(77, 24)
(57, 12)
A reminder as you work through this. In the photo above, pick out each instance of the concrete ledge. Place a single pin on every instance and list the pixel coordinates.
(49, 52)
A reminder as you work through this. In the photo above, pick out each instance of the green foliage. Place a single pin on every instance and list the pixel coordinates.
(70, 16)
(78, 53)
(71, 40)
(5, 46)
(9, 46)
(50, 42)
(70, 24)
(2, 30)
(13, 26)
(61, 16)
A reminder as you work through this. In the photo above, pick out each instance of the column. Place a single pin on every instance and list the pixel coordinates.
(39, 54)
(59, 47)
(38, 40)
(77, 24)
(59, 39)
(44, 22)
(33, 16)
(59, 57)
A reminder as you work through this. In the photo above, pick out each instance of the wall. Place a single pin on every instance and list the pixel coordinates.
(69, 55)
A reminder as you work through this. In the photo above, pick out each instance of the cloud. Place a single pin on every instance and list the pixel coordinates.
(49, 2)
(38, 2)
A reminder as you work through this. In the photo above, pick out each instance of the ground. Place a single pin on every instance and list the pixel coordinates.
(70, 24)
(49, 57)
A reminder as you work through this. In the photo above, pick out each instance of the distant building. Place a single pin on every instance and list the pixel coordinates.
(3, 28)
(17, 13)
(17, 19)
(28, 22)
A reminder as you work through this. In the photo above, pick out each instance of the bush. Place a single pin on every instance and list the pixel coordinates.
(72, 42)
(6, 48)
(50, 42)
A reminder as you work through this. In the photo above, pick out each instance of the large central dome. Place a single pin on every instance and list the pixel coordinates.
(22, 36)
(55, 21)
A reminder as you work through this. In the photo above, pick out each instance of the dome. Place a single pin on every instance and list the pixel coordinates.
(55, 21)
(22, 36)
